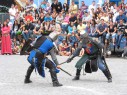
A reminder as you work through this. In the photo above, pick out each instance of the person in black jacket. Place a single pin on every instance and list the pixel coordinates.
(57, 6)
(28, 30)
(65, 7)
(15, 28)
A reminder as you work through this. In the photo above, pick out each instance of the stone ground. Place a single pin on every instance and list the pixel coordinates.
(13, 69)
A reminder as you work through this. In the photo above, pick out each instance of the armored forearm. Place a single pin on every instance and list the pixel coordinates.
(53, 56)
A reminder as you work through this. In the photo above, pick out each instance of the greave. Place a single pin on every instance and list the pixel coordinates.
(77, 74)
(54, 78)
(28, 74)
(108, 75)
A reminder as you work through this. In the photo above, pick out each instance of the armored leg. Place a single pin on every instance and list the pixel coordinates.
(77, 74)
(54, 78)
(28, 73)
(79, 66)
(104, 68)
(108, 75)
(53, 74)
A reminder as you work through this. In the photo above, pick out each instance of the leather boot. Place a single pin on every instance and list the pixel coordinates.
(108, 76)
(27, 77)
(54, 78)
(77, 75)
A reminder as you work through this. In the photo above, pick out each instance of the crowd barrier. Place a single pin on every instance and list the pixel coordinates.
(3, 17)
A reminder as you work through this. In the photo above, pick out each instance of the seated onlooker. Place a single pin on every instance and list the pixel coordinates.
(71, 28)
(65, 23)
(41, 17)
(81, 27)
(29, 17)
(74, 47)
(47, 28)
(86, 18)
(121, 16)
(102, 31)
(93, 32)
(60, 39)
(64, 48)
(28, 30)
(59, 18)
(47, 18)
(15, 28)
(73, 39)
(73, 19)
(121, 29)
(112, 30)
(38, 29)
(15, 46)
(88, 28)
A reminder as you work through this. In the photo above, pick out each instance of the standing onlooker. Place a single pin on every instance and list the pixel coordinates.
(6, 40)
(65, 7)
(57, 6)
(12, 13)
(92, 6)
(83, 7)
(121, 6)
(73, 8)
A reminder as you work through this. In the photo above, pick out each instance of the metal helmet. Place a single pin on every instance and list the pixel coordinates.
(54, 35)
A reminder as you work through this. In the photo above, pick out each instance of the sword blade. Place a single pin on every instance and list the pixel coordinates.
(65, 71)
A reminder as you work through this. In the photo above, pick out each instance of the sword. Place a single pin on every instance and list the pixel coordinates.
(63, 63)
(65, 71)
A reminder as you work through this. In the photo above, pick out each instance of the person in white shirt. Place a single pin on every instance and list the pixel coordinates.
(32, 4)
(12, 13)
(92, 6)
(115, 15)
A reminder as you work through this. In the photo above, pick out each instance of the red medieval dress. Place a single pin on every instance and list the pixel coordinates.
(6, 41)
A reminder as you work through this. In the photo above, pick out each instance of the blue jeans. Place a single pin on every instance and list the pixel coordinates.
(12, 21)
(118, 39)
(64, 27)
(113, 36)
(26, 36)
(102, 37)
(13, 34)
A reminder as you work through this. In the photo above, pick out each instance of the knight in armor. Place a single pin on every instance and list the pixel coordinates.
(93, 57)
(38, 60)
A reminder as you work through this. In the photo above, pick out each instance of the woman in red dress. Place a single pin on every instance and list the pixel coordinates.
(6, 40)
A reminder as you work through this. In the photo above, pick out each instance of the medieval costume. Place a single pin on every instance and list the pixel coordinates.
(93, 57)
(38, 60)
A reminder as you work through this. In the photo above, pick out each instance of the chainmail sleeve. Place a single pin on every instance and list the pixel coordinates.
(53, 56)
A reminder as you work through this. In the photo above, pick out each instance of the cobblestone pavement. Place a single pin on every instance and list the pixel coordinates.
(13, 69)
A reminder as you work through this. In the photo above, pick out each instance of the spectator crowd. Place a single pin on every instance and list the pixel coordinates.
(106, 23)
